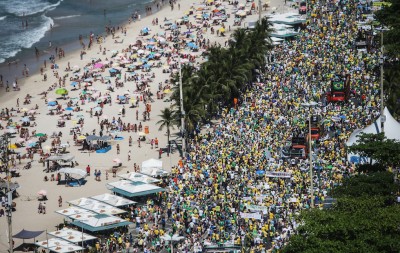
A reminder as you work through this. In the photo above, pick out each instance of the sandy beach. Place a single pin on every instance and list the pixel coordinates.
(32, 180)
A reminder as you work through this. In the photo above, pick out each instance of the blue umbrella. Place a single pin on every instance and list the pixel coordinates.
(121, 97)
(147, 66)
(69, 109)
(97, 108)
(25, 119)
(150, 56)
(149, 46)
(173, 27)
(112, 70)
(74, 84)
(32, 144)
(52, 103)
(190, 44)
(260, 172)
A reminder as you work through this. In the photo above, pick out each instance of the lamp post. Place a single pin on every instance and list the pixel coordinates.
(310, 105)
(259, 11)
(381, 60)
(173, 238)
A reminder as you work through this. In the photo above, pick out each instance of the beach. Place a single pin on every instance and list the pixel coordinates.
(32, 181)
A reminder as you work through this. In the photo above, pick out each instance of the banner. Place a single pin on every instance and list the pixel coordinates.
(264, 209)
(256, 216)
(278, 174)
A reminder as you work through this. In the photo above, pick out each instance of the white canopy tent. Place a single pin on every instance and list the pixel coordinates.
(96, 206)
(392, 129)
(72, 235)
(139, 177)
(74, 213)
(113, 200)
(74, 171)
(101, 222)
(152, 163)
(133, 189)
(58, 245)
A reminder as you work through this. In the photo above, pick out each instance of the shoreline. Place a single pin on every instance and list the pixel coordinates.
(14, 68)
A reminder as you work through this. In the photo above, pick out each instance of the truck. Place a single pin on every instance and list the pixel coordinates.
(303, 8)
(340, 90)
(298, 149)
(316, 127)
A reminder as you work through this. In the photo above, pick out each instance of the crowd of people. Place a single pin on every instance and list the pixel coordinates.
(221, 193)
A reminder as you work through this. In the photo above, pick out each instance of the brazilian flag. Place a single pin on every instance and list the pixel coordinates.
(338, 86)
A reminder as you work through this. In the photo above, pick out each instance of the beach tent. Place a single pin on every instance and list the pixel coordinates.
(75, 213)
(81, 173)
(133, 189)
(58, 245)
(64, 158)
(26, 234)
(113, 200)
(392, 129)
(152, 163)
(138, 177)
(72, 235)
(96, 206)
(101, 222)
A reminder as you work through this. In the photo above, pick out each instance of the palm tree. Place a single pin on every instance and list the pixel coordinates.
(168, 120)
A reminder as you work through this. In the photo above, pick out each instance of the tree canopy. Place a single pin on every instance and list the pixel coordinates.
(364, 219)
(386, 152)
(223, 76)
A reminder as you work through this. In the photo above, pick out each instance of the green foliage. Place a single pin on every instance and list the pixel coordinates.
(364, 219)
(390, 16)
(223, 76)
(376, 184)
(392, 87)
(386, 152)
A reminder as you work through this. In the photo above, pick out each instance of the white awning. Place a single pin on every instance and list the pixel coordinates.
(96, 206)
(72, 235)
(58, 245)
(113, 200)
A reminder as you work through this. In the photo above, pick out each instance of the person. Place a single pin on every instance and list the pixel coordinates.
(44, 208)
(118, 149)
(129, 155)
(59, 201)
(88, 170)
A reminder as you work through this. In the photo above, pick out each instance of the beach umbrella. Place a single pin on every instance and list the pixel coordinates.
(80, 116)
(74, 84)
(121, 97)
(39, 134)
(81, 137)
(117, 160)
(52, 103)
(221, 30)
(24, 109)
(98, 108)
(31, 144)
(11, 130)
(47, 147)
(42, 193)
(141, 133)
(166, 91)
(12, 146)
(69, 109)
(25, 119)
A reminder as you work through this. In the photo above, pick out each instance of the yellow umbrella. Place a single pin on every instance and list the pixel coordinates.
(82, 137)
(24, 109)
(12, 146)
(210, 1)
(167, 91)
(221, 30)
(133, 100)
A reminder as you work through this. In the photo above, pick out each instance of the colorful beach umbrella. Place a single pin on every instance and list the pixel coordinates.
(61, 91)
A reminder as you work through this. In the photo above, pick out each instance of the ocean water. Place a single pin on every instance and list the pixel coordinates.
(26, 24)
